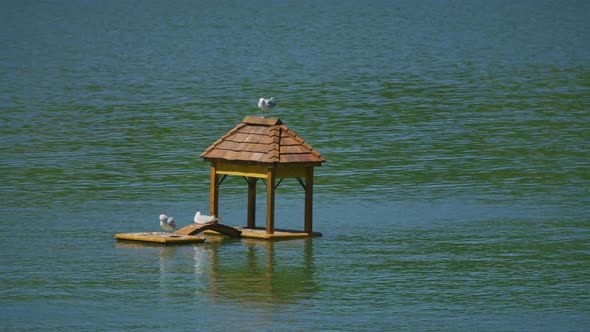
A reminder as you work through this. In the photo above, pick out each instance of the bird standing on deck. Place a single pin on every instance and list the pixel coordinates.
(266, 104)
(167, 223)
(203, 219)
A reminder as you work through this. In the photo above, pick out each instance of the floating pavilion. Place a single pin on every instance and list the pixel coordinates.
(264, 148)
(257, 148)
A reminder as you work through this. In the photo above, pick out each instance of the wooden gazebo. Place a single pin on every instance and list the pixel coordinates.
(263, 148)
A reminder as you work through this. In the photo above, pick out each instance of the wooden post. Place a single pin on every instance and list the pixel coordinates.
(270, 201)
(251, 202)
(308, 223)
(214, 191)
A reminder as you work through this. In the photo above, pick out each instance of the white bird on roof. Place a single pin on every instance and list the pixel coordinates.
(203, 218)
(167, 223)
(266, 104)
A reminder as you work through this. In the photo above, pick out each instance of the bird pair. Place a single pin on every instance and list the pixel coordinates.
(168, 223)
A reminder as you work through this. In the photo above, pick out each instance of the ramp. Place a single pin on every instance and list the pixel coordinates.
(212, 226)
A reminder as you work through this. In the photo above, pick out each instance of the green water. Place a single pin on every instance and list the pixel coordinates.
(455, 195)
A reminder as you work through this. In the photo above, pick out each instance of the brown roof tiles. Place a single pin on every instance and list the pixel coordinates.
(262, 140)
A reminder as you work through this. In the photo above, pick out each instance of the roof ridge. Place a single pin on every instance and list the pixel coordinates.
(257, 120)
(275, 146)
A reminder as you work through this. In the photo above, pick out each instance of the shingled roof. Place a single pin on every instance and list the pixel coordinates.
(262, 140)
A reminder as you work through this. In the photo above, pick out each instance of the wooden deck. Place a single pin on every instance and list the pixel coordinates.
(160, 237)
(184, 235)
(188, 233)
(260, 233)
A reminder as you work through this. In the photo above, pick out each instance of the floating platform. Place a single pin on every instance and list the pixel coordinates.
(160, 237)
(188, 233)
(184, 235)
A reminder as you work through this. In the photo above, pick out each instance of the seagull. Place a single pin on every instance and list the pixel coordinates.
(266, 104)
(167, 223)
(203, 219)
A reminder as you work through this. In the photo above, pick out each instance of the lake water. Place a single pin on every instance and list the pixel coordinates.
(455, 196)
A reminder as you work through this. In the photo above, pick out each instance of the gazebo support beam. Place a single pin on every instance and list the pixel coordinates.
(251, 202)
(270, 201)
(214, 191)
(308, 223)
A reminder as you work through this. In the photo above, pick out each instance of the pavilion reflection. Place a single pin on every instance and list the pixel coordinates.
(247, 271)
(262, 271)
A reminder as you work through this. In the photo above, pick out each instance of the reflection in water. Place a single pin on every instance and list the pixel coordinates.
(201, 258)
(166, 266)
(147, 256)
(264, 272)
(256, 274)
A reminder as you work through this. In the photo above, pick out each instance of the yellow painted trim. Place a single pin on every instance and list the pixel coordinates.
(261, 171)
(256, 171)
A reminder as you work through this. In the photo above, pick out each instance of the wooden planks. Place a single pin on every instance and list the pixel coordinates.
(160, 237)
(183, 235)
(263, 141)
(260, 233)
(262, 121)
